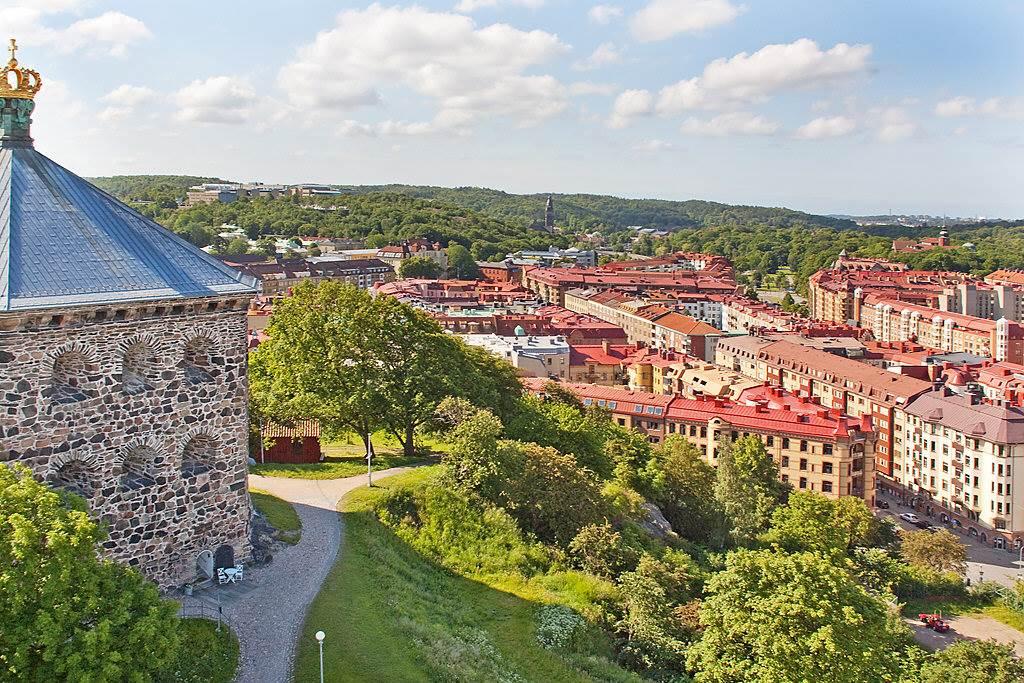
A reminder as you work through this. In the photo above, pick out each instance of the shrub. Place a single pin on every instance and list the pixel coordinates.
(599, 549)
(559, 627)
(922, 582)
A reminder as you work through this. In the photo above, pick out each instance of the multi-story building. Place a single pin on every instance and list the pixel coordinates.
(599, 364)
(855, 388)
(279, 277)
(225, 193)
(645, 323)
(964, 457)
(816, 449)
(709, 264)
(532, 356)
(552, 283)
(122, 361)
(556, 258)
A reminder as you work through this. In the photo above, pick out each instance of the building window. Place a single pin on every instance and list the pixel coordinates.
(803, 482)
(785, 461)
(69, 379)
(199, 360)
(770, 440)
(803, 446)
(826, 468)
(803, 463)
(139, 368)
(826, 487)
(199, 455)
(826, 449)
(785, 443)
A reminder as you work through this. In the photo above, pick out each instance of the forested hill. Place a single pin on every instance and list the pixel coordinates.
(583, 211)
(577, 211)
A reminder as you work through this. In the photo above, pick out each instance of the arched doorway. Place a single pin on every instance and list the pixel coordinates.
(204, 565)
(224, 557)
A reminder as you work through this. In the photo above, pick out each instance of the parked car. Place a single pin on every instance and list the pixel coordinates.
(910, 517)
(883, 505)
(932, 528)
(922, 524)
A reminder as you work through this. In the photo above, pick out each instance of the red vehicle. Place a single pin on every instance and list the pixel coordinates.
(934, 622)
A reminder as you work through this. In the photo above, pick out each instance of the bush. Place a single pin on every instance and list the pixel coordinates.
(921, 582)
(599, 549)
(559, 627)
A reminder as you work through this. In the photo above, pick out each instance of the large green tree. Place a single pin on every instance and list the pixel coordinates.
(682, 484)
(747, 487)
(774, 617)
(419, 267)
(461, 264)
(811, 522)
(940, 551)
(66, 614)
(973, 662)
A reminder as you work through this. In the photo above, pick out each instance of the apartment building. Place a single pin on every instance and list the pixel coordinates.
(277, 278)
(816, 449)
(544, 357)
(552, 283)
(852, 387)
(965, 457)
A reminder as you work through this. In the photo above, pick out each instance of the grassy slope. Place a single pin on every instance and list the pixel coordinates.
(340, 460)
(382, 597)
(280, 514)
(206, 655)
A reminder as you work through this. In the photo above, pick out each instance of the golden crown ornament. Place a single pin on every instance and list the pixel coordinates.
(19, 83)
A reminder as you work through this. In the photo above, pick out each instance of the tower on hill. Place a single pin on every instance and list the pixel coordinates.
(549, 213)
(122, 361)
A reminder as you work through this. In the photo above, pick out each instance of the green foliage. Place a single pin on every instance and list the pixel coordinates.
(682, 485)
(205, 654)
(919, 582)
(878, 571)
(279, 513)
(160, 191)
(559, 627)
(747, 487)
(811, 522)
(419, 267)
(599, 549)
(940, 551)
(461, 264)
(567, 428)
(776, 618)
(973, 662)
(653, 639)
(66, 613)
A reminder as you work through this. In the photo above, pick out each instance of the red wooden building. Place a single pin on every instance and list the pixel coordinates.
(295, 443)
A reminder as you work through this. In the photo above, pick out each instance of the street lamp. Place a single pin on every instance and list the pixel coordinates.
(320, 635)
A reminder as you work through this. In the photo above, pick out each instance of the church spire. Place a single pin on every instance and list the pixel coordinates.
(18, 88)
(549, 213)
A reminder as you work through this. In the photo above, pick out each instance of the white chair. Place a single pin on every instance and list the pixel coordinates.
(239, 571)
(222, 576)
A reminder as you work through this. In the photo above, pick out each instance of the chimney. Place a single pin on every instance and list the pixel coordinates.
(604, 345)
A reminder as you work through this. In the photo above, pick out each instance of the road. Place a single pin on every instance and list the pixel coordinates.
(983, 561)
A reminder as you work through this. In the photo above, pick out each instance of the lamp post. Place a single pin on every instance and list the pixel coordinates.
(320, 635)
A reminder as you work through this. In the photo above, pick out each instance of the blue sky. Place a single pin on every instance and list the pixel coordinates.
(839, 106)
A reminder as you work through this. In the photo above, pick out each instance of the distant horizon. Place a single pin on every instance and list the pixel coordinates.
(557, 193)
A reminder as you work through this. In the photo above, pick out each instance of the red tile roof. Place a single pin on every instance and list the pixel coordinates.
(297, 430)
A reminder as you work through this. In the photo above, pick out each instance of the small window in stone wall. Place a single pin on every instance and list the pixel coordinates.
(139, 368)
(199, 362)
(70, 378)
(199, 455)
(140, 468)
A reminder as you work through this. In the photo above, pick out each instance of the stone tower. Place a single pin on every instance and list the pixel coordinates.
(549, 213)
(122, 359)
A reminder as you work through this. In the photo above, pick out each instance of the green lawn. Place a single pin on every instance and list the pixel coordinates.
(280, 514)
(347, 460)
(205, 655)
(392, 615)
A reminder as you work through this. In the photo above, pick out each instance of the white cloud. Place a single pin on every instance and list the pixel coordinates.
(469, 71)
(662, 19)
(603, 55)
(108, 33)
(629, 105)
(956, 106)
(474, 5)
(584, 88)
(730, 123)
(603, 14)
(746, 78)
(999, 107)
(826, 127)
(654, 145)
(218, 99)
(129, 95)
(893, 124)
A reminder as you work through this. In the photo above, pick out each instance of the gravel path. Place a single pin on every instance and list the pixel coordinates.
(266, 611)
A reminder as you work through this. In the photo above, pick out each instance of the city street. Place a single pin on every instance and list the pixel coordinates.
(983, 561)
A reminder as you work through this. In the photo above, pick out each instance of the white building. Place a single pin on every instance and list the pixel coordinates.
(532, 356)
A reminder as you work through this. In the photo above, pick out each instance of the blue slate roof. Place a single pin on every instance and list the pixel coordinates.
(65, 242)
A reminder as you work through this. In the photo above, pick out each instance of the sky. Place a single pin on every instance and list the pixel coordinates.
(858, 107)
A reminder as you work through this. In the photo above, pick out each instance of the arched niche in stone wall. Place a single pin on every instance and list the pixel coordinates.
(73, 375)
(76, 473)
(140, 365)
(199, 363)
(139, 465)
(199, 455)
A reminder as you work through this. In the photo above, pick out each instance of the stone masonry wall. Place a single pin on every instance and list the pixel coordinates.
(143, 411)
